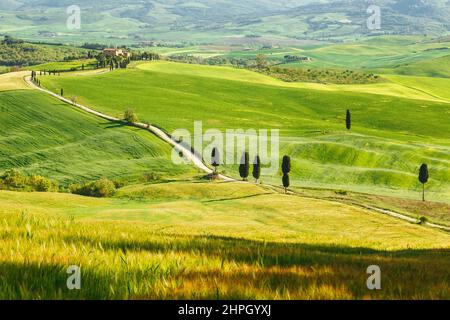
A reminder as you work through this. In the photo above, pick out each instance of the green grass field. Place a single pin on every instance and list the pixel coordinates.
(436, 67)
(182, 237)
(228, 73)
(41, 135)
(437, 87)
(380, 52)
(381, 154)
(212, 241)
(13, 81)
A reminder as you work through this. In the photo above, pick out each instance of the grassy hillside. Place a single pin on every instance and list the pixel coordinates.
(229, 73)
(13, 81)
(379, 52)
(437, 67)
(234, 241)
(437, 87)
(44, 136)
(381, 154)
(372, 53)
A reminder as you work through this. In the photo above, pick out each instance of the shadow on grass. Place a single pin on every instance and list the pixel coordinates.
(407, 274)
(114, 125)
(236, 269)
(36, 281)
(31, 281)
(244, 250)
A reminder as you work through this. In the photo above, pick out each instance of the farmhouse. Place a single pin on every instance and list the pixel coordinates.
(112, 52)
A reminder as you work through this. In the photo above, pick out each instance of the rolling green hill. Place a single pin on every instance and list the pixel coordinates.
(437, 87)
(229, 21)
(393, 54)
(375, 53)
(184, 238)
(437, 67)
(381, 154)
(40, 135)
(13, 81)
(166, 231)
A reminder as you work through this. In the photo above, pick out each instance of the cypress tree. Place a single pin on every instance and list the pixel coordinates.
(257, 169)
(286, 166)
(244, 167)
(423, 178)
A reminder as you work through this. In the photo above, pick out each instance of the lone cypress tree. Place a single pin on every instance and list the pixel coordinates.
(244, 167)
(62, 92)
(286, 168)
(348, 120)
(423, 178)
(257, 168)
(215, 159)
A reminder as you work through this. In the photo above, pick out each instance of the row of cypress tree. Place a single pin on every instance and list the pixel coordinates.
(244, 167)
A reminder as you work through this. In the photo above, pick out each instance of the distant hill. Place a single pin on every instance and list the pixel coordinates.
(206, 21)
(437, 67)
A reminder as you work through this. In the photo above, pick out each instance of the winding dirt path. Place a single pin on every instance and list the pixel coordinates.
(198, 162)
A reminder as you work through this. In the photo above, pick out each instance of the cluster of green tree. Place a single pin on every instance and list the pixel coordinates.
(16, 181)
(16, 52)
(99, 189)
(130, 116)
(320, 75)
(292, 58)
(10, 41)
(213, 61)
(150, 56)
(113, 62)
